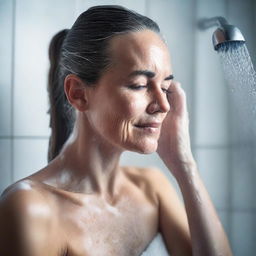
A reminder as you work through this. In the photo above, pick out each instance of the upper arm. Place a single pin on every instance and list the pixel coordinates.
(25, 224)
(173, 222)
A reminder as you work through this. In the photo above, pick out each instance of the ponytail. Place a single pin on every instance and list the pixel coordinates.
(59, 123)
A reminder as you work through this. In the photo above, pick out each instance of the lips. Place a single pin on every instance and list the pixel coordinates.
(148, 125)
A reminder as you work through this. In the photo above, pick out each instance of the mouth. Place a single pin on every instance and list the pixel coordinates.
(149, 127)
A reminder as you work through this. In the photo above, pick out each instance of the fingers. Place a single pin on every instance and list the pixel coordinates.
(177, 98)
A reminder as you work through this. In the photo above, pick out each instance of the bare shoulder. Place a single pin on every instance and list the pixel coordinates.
(23, 196)
(26, 219)
(152, 175)
(150, 179)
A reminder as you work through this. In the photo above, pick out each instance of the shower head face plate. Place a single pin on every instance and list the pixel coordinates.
(226, 33)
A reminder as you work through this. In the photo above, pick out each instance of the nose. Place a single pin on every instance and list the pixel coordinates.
(158, 102)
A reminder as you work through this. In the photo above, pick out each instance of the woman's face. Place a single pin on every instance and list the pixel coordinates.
(129, 103)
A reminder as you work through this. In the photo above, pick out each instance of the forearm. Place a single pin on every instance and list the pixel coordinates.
(207, 234)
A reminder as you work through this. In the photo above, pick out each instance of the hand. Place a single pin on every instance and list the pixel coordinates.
(174, 142)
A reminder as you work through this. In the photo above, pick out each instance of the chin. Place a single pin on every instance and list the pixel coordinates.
(146, 152)
(145, 148)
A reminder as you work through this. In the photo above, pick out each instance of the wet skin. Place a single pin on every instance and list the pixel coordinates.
(83, 203)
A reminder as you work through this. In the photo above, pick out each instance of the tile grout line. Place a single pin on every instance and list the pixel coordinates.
(253, 4)
(230, 157)
(236, 209)
(194, 146)
(24, 137)
(146, 6)
(193, 115)
(254, 142)
(12, 87)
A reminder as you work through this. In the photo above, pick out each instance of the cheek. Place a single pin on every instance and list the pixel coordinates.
(114, 120)
(131, 111)
(128, 111)
(127, 106)
(116, 115)
(135, 107)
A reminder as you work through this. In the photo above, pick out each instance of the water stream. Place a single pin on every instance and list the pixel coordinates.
(241, 85)
(241, 79)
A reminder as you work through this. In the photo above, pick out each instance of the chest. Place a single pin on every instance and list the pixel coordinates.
(99, 229)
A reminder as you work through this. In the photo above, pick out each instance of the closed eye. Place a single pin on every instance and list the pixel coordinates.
(137, 87)
(166, 91)
(141, 87)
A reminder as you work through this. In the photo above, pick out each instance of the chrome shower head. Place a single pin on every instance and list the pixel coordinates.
(224, 33)
(227, 33)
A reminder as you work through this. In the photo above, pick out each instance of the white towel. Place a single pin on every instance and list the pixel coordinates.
(156, 247)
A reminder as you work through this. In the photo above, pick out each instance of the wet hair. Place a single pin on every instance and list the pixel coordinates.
(83, 50)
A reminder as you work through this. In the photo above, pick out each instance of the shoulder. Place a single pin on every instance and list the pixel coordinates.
(152, 180)
(26, 219)
(143, 172)
(23, 203)
(152, 175)
(166, 193)
(22, 196)
(141, 175)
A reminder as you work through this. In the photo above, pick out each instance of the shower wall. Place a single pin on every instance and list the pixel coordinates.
(227, 168)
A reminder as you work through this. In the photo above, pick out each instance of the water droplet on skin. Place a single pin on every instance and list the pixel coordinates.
(24, 185)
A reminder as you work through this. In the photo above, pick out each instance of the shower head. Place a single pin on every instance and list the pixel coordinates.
(225, 32)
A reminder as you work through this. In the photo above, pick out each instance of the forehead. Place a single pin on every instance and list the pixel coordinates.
(140, 50)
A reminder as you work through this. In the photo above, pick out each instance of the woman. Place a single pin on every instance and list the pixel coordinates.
(118, 95)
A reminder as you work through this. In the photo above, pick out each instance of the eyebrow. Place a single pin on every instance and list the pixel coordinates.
(148, 74)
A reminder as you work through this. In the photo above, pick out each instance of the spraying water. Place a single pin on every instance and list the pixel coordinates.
(238, 68)
(241, 79)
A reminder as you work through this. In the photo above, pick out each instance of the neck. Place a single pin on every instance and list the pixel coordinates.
(89, 164)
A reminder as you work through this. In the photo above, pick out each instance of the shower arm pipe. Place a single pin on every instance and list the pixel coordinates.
(218, 21)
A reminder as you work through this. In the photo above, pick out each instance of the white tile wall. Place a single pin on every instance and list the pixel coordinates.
(6, 18)
(254, 39)
(136, 159)
(211, 91)
(30, 155)
(139, 6)
(243, 170)
(254, 176)
(5, 163)
(214, 169)
(36, 23)
(243, 233)
(244, 189)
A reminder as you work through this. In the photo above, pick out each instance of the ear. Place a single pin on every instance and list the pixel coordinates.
(75, 91)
